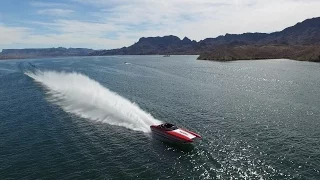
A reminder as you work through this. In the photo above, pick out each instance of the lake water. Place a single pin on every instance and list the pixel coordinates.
(88, 118)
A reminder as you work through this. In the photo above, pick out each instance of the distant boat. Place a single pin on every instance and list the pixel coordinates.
(167, 55)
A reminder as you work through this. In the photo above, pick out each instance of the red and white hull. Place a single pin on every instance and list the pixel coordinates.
(175, 134)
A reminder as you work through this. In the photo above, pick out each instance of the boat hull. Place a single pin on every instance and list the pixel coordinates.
(168, 138)
(173, 134)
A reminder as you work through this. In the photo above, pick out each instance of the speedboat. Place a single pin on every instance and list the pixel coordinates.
(172, 133)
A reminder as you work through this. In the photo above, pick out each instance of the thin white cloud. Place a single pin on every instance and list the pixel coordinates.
(205, 18)
(47, 4)
(19, 37)
(63, 26)
(55, 12)
(11, 35)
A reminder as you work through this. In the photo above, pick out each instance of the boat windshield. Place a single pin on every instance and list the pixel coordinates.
(168, 126)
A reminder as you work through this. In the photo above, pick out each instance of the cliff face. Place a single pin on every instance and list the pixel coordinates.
(44, 52)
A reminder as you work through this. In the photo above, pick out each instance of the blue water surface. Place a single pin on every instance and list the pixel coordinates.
(259, 120)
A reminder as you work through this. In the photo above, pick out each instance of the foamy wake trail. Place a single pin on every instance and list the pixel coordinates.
(78, 94)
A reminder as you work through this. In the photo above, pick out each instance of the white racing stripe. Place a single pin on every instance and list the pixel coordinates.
(185, 133)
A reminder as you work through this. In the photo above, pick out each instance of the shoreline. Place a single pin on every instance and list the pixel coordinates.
(200, 57)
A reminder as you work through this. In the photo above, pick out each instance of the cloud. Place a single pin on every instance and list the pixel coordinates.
(117, 23)
(46, 4)
(203, 18)
(81, 27)
(214, 17)
(12, 35)
(69, 34)
(55, 12)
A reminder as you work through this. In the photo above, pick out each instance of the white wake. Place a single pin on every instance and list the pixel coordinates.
(78, 94)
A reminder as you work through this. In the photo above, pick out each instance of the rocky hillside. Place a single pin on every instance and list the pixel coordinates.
(155, 45)
(303, 33)
(298, 42)
(250, 52)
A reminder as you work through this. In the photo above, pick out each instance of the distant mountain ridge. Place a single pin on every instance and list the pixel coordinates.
(44, 52)
(303, 35)
(154, 45)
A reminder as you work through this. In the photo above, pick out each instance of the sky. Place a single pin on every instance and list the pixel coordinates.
(107, 24)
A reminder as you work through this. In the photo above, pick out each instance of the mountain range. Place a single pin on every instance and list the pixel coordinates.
(43, 52)
(300, 41)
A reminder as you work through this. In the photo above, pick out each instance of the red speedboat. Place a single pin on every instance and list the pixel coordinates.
(172, 133)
